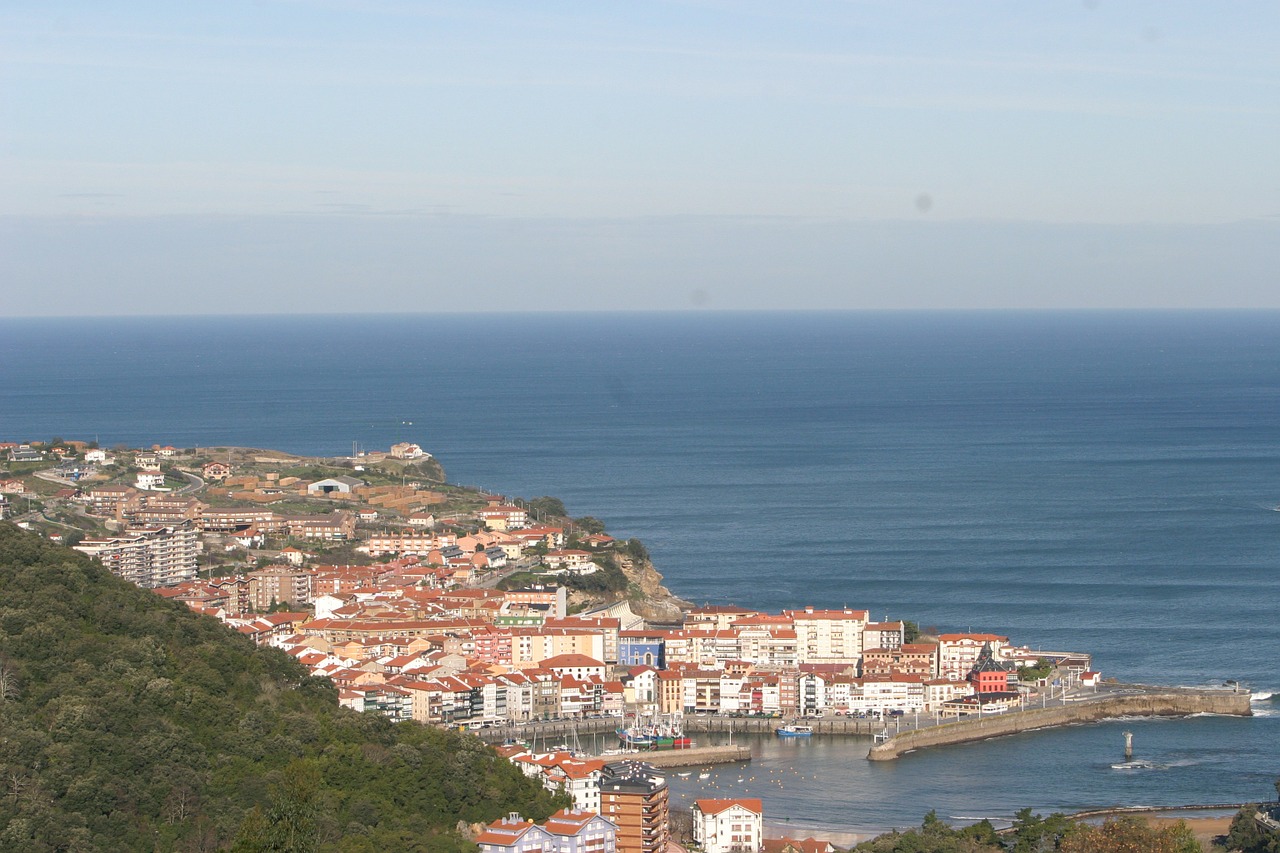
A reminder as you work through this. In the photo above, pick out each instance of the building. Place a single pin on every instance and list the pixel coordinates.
(633, 795)
(503, 517)
(957, 653)
(582, 831)
(338, 525)
(216, 470)
(566, 831)
(728, 826)
(988, 674)
(405, 450)
(274, 585)
(341, 485)
(149, 556)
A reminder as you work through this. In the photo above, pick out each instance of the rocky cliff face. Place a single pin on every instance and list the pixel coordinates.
(650, 598)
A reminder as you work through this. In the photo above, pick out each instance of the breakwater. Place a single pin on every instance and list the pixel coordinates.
(1145, 702)
(697, 756)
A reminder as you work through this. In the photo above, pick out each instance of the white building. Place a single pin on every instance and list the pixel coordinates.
(149, 556)
(728, 826)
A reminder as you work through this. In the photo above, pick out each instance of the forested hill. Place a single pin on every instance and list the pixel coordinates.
(129, 723)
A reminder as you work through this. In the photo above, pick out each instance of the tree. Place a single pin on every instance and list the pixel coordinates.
(1034, 834)
(1246, 836)
(9, 690)
(910, 632)
(1129, 834)
(549, 506)
(589, 524)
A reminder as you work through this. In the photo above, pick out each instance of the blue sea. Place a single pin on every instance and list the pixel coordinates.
(1106, 482)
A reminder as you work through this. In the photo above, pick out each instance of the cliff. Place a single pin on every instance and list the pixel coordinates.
(649, 598)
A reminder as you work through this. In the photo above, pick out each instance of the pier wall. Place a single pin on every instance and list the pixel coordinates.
(757, 725)
(1152, 704)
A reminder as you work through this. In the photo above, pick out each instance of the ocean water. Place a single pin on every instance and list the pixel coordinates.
(1088, 481)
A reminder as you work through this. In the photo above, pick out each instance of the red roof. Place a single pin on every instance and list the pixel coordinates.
(717, 806)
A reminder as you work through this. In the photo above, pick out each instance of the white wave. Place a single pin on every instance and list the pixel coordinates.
(1261, 696)
(1266, 712)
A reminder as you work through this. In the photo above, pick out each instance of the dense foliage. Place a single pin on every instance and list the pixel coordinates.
(129, 723)
(1247, 836)
(1033, 834)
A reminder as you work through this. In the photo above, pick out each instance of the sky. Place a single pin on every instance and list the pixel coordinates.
(299, 156)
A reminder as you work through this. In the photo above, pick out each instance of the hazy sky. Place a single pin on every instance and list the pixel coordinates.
(330, 155)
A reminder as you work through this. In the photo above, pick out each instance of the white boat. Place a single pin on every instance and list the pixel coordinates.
(1133, 765)
(794, 730)
(702, 777)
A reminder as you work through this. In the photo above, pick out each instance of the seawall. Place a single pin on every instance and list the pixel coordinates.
(1172, 703)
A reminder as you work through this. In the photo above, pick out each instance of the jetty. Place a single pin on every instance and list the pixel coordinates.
(1118, 701)
(695, 756)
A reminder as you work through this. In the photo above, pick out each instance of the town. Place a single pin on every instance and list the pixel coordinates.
(453, 607)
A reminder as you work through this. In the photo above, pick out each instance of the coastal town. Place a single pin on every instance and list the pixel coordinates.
(458, 608)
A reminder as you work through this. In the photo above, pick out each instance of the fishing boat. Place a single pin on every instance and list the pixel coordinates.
(654, 733)
(794, 730)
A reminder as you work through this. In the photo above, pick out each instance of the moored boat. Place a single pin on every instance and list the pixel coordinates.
(665, 733)
(794, 730)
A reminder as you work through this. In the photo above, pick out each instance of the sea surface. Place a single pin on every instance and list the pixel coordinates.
(1105, 482)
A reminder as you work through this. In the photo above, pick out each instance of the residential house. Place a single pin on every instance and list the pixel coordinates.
(728, 825)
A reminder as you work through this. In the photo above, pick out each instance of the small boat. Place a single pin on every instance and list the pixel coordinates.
(684, 775)
(1133, 765)
(794, 730)
(702, 777)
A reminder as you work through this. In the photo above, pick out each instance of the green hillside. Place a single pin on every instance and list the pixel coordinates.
(129, 723)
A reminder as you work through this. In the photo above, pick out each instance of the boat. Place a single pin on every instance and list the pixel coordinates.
(794, 730)
(661, 733)
(1133, 765)
(702, 777)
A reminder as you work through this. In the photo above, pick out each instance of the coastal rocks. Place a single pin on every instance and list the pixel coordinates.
(650, 599)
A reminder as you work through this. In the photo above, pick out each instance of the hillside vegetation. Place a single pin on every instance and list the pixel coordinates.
(129, 723)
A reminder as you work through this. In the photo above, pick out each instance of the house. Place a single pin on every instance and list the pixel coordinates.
(566, 831)
(957, 653)
(25, 453)
(728, 825)
(405, 450)
(13, 487)
(503, 517)
(579, 667)
(216, 471)
(150, 481)
(988, 674)
(96, 454)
